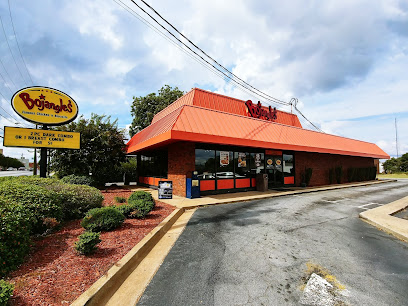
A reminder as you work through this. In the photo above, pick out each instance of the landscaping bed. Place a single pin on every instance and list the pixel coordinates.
(55, 274)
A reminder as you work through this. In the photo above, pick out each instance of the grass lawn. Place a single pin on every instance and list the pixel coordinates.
(393, 175)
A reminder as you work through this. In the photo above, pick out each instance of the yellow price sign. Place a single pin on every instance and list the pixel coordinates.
(34, 138)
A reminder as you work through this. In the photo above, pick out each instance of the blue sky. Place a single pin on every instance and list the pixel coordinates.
(346, 61)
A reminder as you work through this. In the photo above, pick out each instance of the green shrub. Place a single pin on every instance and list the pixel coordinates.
(339, 174)
(77, 199)
(87, 243)
(331, 176)
(141, 205)
(6, 291)
(38, 202)
(125, 209)
(351, 173)
(120, 199)
(77, 180)
(141, 195)
(102, 219)
(14, 235)
(308, 175)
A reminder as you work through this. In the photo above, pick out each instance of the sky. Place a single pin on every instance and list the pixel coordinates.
(345, 61)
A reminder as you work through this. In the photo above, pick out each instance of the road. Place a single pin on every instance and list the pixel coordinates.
(256, 253)
(15, 173)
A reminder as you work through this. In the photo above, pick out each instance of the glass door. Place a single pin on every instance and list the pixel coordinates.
(273, 167)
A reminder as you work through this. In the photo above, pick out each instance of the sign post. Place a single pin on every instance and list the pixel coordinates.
(48, 107)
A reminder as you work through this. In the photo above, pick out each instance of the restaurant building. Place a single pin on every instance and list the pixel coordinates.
(225, 143)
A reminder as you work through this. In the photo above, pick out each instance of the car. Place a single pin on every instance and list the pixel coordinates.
(22, 169)
(11, 169)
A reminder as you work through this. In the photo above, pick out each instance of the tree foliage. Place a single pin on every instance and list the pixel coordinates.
(144, 108)
(392, 165)
(101, 154)
(6, 162)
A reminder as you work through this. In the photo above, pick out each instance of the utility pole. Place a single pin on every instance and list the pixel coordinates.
(396, 135)
(35, 158)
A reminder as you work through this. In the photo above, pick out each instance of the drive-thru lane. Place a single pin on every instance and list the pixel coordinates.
(256, 252)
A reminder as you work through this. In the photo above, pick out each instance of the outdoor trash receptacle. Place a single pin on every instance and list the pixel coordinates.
(262, 182)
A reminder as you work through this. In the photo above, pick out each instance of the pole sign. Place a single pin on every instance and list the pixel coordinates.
(34, 138)
(44, 105)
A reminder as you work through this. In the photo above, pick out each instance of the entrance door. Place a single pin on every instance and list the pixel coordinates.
(274, 170)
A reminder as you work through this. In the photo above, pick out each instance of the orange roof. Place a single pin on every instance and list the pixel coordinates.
(210, 100)
(198, 124)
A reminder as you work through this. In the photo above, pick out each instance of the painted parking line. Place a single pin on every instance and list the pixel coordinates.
(367, 206)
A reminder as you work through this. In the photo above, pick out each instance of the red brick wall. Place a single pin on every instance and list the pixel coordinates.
(321, 163)
(181, 163)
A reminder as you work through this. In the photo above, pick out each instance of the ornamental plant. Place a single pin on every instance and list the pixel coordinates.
(120, 199)
(77, 180)
(14, 235)
(141, 203)
(6, 291)
(102, 219)
(87, 243)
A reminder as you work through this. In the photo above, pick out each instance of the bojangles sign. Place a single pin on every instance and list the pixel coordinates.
(257, 111)
(43, 105)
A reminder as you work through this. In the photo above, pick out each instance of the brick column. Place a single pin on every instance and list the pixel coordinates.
(181, 162)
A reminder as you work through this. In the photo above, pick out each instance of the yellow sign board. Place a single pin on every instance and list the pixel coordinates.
(34, 138)
(43, 105)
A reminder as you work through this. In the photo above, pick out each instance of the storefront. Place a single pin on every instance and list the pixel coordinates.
(226, 143)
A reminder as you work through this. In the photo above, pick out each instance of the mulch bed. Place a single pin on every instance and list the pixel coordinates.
(54, 274)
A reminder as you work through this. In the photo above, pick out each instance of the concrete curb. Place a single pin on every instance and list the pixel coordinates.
(100, 292)
(381, 217)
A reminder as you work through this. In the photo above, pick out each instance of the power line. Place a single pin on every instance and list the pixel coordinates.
(18, 45)
(270, 97)
(188, 47)
(5, 35)
(147, 23)
(294, 102)
(1, 62)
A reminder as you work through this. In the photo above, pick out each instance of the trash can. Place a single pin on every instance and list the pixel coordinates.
(262, 182)
(193, 186)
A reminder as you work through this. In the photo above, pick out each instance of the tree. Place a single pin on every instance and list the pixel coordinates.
(144, 108)
(101, 154)
(404, 162)
(6, 162)
(392, 165)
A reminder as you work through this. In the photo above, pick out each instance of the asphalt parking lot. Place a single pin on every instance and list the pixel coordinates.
(256, 253)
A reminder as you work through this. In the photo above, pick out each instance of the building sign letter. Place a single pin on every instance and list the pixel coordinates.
(257, 111)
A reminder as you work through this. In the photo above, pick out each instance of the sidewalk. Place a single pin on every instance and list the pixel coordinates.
(382, 217)
(181, 202)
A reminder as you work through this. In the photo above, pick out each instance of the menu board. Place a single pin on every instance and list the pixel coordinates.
(224, 158)
(258, 159)
(165, 189)
(241, 160)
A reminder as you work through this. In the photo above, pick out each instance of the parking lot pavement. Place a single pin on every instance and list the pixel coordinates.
(257, 252)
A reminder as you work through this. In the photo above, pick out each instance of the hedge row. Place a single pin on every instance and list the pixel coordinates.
(29, 204)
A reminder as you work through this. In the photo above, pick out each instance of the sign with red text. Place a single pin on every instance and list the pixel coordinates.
(258, 111)
(43, 105)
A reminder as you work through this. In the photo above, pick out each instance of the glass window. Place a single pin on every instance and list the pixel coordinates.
(257, 163)
(154, 164)
(241, 165)
(288, 166)
(225, 164)
(205, 163)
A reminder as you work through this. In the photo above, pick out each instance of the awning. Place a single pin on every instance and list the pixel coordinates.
(198, 124)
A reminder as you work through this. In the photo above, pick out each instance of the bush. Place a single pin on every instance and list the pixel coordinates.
(120, 199)
(140, 195)
(77, 180)
(38, 202)
(77, 199)
(308, 175)
(87, 243)
(6, 291)
(351, 173)
(331, 176)
(142, 203)
(125, 209)
(339, 174)
(14, 235)
(102, 219)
